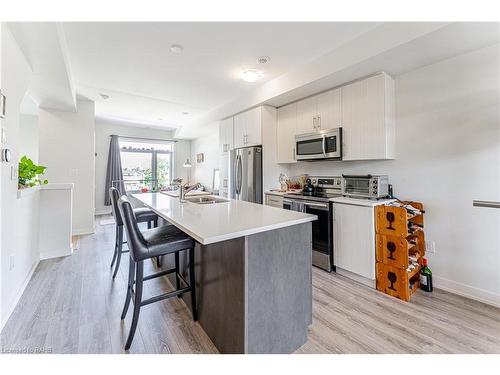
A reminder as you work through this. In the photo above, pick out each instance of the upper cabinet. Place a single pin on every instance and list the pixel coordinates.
(306, 115)
(226, 135)
(248, 128)
(329, 109)
(285, 133)
(363, 109)
(319, 112)
(368, 128)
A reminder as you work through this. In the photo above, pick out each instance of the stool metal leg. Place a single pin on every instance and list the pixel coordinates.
(177, 280)
(130, 285)
(116, 247)
(119, 250)
(139, 274)
(192, 284)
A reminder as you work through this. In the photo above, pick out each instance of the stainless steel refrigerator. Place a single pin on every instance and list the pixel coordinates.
(246, 174)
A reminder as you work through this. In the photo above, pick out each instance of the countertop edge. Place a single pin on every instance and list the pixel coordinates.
(237, 234)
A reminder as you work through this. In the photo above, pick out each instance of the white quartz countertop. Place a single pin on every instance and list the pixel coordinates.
(361, 201)
(209, 223)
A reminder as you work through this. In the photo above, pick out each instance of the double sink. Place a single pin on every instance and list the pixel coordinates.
(206, 200)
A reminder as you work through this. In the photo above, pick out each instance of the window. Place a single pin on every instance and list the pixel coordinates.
(146, 166)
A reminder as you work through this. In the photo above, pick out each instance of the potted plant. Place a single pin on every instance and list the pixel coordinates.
(29, 173)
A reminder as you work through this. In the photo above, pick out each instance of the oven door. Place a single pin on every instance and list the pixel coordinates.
(322, 255)
(322, 241)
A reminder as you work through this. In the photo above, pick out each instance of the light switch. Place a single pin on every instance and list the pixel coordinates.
(73, 172)
(13, 173)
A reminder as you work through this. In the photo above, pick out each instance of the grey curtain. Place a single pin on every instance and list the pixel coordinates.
(114, 171)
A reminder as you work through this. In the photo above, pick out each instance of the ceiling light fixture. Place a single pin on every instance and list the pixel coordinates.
(263, 59)
(251, 75)
(176, 48)
(104, 96)
(185, 113)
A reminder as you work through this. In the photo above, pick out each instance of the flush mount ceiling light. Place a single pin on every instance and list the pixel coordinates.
(104, 96)
(263, 59)
(185, 113)
(176, 48)
(251, 75)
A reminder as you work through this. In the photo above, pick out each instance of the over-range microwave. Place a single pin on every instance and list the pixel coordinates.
(325, 144)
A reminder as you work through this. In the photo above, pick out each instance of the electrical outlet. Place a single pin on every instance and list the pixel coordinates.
(11, 262)
(13, 173)
(430, 247)
(73, 172)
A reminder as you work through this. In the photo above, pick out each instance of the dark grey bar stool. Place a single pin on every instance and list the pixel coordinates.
(143, 215)
(149, 244)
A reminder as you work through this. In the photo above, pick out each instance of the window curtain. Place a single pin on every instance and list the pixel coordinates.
(114, 171)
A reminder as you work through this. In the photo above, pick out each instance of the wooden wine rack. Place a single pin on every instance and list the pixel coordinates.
(395, 243)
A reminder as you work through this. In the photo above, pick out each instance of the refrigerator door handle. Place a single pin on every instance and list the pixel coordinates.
(235, 173)
(239, 173)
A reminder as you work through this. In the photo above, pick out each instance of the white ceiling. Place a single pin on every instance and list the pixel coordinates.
(132, 63)
(44, 46)
(150, 86)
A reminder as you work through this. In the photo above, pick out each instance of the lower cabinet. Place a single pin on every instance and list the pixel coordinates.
(274, 200)
(354, 240)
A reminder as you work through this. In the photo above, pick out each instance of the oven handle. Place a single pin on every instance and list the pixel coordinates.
(317, 205)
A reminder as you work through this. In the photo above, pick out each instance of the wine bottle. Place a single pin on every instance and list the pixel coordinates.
(425, 277)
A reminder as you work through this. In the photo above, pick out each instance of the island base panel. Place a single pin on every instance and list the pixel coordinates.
(255, 292)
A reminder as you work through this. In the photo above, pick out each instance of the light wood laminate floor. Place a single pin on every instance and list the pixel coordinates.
(71, 305)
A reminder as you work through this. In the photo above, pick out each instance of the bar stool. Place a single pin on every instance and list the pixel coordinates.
(146, 245)
(142, 214)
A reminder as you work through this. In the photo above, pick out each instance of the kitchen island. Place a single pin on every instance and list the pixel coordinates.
(253, 271)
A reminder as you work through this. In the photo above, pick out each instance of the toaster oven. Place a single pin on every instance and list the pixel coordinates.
(365, 186)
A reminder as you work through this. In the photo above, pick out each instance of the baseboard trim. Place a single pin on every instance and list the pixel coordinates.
(57, 254)
(83, 231)
(103, 212)
(468, 291)
(18, 295)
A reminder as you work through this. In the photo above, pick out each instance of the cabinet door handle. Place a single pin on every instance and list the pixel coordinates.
(294, 156)
(319, 122)
(314, 122)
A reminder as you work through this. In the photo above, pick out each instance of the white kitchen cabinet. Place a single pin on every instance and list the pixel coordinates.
(354, 240)
(329, 109)
(320, 112)
(306, 115)
(274, 200)
(286, 130)
(368, 129)
(226, 135)
(248, 128)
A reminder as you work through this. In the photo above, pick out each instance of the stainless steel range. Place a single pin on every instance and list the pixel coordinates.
(318, 203)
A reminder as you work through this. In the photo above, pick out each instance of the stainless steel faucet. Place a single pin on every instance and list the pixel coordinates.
(183, 191)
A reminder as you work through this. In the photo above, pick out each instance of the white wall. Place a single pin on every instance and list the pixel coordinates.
(105, 128)
(19, 217)
(209, 146)
(448, 152)
(67, 150)
(28, 137)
